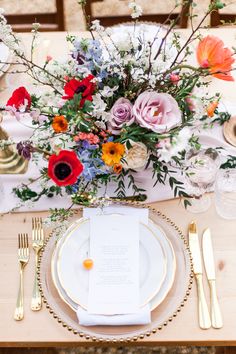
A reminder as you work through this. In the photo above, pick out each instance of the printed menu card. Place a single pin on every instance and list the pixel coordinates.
(114, 278)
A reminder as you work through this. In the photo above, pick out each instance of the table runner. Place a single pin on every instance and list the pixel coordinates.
(20, 131)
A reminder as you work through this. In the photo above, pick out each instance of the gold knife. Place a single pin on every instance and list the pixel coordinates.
(203, 313)
(208, 257)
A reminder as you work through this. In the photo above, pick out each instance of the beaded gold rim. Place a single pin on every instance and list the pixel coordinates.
(142, 335)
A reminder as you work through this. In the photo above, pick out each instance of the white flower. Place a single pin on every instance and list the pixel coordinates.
(124, 41)
(168, 148)
(96, 26)
(108, 91)
(2, 11)
(136, 157)
(99, 106)
(100, 124)
(62, 142)
(136, 9)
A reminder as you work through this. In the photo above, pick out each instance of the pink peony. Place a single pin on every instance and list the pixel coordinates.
(121, 113)
(158, 112)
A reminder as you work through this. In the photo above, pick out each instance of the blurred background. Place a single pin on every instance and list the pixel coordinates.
(73, 17)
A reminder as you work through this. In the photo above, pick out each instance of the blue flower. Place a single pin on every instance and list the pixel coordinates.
(93, 166)
(89, 53)
(88, 146)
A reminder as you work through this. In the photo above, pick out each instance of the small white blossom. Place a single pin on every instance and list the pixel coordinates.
(168, 148)
(108, 91)
(62, 141)
(97, 27)
(124, 41)
(136, 9)
(99, 105)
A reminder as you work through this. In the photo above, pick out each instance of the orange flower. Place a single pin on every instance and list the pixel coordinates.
(117, 168)
(60, 124)
(112, 153)
(211, 108)
(212, 55)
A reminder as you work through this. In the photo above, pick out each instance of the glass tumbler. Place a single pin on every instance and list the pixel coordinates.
(225, 194)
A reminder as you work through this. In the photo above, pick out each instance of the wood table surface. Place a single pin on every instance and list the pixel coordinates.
(41, 329)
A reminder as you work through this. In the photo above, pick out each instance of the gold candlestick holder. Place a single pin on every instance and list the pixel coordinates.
(10, 161)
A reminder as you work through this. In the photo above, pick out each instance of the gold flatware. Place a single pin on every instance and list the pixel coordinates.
(37, 243)
(23, 258)
(216, 318)
(203, 313)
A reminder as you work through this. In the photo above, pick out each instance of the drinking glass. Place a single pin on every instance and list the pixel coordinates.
(225, 194)
(200, 174)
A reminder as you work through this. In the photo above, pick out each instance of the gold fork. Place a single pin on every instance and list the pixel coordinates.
(37, 243)
(23, 258)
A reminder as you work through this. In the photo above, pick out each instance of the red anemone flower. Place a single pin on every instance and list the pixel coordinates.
(20, 97)
(86, 87)
(64, 168)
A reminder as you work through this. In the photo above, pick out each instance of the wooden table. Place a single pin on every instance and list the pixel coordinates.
(41, 329)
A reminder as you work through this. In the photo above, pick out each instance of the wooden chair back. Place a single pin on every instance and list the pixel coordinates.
(53, 21)
(217, 17)
(111, 19)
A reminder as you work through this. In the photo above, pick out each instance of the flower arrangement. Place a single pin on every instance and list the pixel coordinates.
(121, 103)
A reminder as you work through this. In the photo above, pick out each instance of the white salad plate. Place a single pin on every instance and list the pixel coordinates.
(157, 265)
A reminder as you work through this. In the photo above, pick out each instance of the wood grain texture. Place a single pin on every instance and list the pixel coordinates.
(40, 329)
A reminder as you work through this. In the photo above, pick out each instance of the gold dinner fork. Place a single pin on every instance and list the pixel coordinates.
(23, 258)
(38, 241)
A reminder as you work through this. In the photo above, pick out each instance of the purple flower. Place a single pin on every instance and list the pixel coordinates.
(25, 149)
(121, 113)
(158, 112)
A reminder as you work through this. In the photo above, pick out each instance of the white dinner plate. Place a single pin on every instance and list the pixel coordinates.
(156, 274)
(75, 249)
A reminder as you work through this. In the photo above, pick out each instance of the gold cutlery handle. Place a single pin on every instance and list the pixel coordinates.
(19, 311)
(203, 313)
(216, 317)
(36, 301)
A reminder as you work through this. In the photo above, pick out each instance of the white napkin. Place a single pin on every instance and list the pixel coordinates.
(142, 317)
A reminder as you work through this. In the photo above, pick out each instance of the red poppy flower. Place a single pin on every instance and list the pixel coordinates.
(64, 168)
(86, 87)
(212, 55)
(20, 97)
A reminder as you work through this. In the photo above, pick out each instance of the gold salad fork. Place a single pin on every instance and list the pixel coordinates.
(23, 258)
(37, 243)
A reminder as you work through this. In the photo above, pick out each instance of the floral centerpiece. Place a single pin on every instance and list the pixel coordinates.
(123, 101)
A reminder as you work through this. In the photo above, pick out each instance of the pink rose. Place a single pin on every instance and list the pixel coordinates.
(158, 112)
(121, 113)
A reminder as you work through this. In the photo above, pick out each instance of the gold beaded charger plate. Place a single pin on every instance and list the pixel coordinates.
(170, 306)
(73, 248)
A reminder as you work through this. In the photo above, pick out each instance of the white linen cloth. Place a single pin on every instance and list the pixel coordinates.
(142, 317)
(209, 138)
